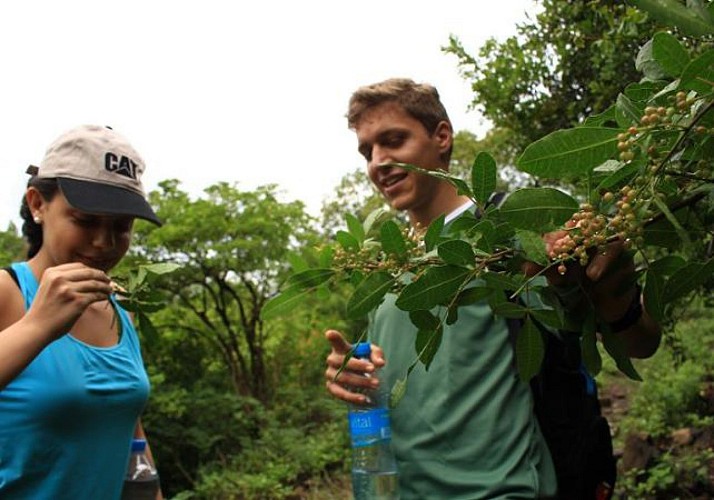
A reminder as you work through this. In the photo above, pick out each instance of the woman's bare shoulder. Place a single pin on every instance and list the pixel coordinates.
(12, 306)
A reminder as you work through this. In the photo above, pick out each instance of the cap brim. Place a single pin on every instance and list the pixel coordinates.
(96, 198)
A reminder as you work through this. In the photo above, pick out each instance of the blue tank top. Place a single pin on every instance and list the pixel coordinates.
(66, 422)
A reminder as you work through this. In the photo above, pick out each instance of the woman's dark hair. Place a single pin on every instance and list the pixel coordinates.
(32, 231)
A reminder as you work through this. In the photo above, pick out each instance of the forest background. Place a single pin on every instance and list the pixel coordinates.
(238, 407)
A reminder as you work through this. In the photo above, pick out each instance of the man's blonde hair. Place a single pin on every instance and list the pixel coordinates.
(419, 100)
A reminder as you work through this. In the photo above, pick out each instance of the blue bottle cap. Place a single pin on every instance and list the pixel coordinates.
(362, 350)
(138, 445)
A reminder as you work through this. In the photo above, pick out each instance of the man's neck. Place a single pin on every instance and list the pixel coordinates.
(442, 204)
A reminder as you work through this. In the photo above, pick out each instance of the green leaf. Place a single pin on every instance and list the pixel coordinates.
(502, 281)
(452, 313)
(569, 152)
(538, 209)
(283, 303)
(533, 245)
(424, 320)
(647, 64)
(529, 350)
(619, 172)
(147, 307)
(673, 13)
(427, 344)
(369, 294)
(473, 295)
(464, 223)
(297, 263)
(662, 233)
(702, 8)
(641, 91)
(484, 236)
(601, 120)
(161, 268)
(461, 187)
(310, 278)
(398, 390)
(322, 293)
(147, 329)
(683, 234)
(326, 255)
(137, 280)
(687, 279)
(669, 53)
(699, 74)
(430, 290)
(590, 352)
(654, 295)
(347, 241)
(627, 112)
(507, 309)
(549, 317)
(372, 219)
(392, 239)
(615, 347)
(433, 233)
(129, 305)
(667, 265)
(456, 252)
(483, 177)
(355, 227)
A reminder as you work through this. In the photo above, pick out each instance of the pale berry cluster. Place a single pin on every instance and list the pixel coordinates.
(588, 229)
(369, 256)
(682, 102)
(585, 229)
(626, 223)
(625, 142)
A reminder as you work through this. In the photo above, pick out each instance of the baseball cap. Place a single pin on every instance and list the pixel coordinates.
(98, 171)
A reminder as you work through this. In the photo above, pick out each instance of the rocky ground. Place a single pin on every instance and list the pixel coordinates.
(641, 451)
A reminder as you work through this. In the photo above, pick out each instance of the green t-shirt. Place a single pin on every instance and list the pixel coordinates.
(466, 428)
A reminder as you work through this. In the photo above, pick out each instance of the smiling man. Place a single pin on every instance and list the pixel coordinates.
(466, 428)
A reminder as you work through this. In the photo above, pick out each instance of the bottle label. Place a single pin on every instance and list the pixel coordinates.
(369, 426)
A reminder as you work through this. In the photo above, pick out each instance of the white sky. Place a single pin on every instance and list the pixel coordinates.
(210, 91)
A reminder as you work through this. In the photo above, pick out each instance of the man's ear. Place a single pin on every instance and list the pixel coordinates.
(444, 136)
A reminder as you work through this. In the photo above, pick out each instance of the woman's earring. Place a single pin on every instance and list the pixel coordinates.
(37, 219)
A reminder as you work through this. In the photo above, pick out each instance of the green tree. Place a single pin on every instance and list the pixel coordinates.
(570, 62)
(12, 246)
(233, 247)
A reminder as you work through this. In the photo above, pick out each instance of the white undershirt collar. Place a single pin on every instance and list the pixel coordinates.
(458, 211)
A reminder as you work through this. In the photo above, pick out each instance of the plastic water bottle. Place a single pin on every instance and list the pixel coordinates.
(142, 480)
(374, 468)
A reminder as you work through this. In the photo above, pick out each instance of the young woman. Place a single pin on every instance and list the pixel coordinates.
(72, 381)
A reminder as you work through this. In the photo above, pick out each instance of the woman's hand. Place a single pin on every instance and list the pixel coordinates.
(64, 293)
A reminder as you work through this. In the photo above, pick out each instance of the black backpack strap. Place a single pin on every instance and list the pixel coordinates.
(13, 275)
(496, 199)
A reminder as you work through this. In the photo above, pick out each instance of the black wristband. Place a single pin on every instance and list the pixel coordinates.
(631, 316)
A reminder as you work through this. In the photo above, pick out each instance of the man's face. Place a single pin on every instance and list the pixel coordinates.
(386, 133)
